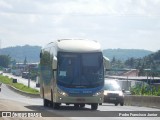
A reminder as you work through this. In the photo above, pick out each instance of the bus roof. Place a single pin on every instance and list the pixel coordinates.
(78, 45)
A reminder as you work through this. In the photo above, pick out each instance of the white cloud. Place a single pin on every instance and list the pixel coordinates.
(84, 7)
(4, 4)
(34, 18)
(115, 23)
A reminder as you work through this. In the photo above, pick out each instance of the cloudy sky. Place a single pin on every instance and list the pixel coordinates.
(124, 24)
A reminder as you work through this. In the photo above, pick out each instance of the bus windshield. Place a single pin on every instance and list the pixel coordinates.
(112, 87)
(80, 69)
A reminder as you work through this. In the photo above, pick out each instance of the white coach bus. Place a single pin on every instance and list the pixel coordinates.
(72, 72)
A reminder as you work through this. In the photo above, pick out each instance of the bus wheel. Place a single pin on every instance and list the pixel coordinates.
(94, 106)
(122, 104)
(116, 104)
(45, 102)
(82, 105)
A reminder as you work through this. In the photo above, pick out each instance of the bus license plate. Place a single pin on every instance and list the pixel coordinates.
(80, 99)
(112, 98)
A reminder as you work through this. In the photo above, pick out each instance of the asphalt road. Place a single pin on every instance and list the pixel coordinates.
(11, 101)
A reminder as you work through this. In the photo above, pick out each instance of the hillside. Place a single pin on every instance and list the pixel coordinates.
(152, 61)
(124, 54)
(32, 53)
(20, 52)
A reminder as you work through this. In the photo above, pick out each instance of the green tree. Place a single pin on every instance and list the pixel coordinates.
(141, 70)
(113, 60)
(130, 62)
(25, 61)
(5, 60)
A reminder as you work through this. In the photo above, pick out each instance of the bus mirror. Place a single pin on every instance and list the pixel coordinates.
(54, 64)
(106, 62)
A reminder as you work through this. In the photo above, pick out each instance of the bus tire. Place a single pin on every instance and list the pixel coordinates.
(45, 102)
(94, 106)
(122, 103)
(116, 104)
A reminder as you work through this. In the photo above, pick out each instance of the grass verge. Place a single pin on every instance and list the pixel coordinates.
(20, 86)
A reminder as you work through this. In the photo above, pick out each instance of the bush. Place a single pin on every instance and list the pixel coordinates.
(145, 90)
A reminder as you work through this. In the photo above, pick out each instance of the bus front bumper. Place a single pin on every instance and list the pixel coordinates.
(87, 100)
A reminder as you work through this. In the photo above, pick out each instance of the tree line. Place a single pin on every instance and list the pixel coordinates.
(150, 62)
(5, 61)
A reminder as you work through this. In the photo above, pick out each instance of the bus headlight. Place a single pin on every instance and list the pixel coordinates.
(62, 92)
(105, 93)
(120, 94)
(98, 93)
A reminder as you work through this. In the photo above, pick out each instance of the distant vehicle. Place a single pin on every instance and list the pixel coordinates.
(25, 75)
(16, 72)
(6, 70)
(72, 72)
(113, 92)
